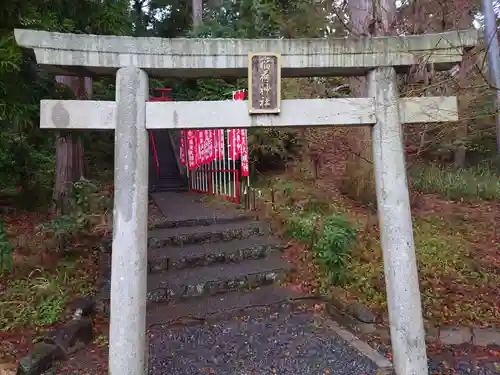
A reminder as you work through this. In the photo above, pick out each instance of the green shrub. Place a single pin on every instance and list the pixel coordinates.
(333, 246)
(272, 148)
(87, 205)
(330, 242)
(29, 165)
(456, 184)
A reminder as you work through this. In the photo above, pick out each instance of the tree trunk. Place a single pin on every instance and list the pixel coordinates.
(456, 15)
(463, 97)
(139, 18)
(197, 6)
(215, 4)
(465, 19)
(69, 149)
(365, 21)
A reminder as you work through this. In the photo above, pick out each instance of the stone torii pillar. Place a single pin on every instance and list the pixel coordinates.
(127, 340)
(396, 232)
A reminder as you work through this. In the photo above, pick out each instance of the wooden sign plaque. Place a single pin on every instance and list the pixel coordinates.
(264, 83)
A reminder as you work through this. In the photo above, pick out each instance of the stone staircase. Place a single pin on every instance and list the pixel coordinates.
(170, 178)
(214, 305)
(204, 261)
(198, 263)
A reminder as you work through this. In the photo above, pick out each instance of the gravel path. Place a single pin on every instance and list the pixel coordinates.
(279, 343)
(274, 343)
(256, 343)
(464, 368)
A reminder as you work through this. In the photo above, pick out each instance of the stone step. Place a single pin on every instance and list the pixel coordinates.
(196, 255)
(170, 181)
(171, 188)
(230, 303)
(215, 279)
(169, 168)
(170, 177)
(204, 220)
(211, 233)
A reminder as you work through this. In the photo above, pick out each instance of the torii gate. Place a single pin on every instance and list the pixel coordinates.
(131, 115)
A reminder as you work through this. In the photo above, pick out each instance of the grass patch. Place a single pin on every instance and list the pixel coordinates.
(453, 287)
(313, 222)
(40, 298)
(456, 184)
(456, 288)
(51, 262)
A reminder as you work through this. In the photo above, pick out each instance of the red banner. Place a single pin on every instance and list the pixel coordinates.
(215, 142)
(244, 153)
(209, 146)
(222, 143)
(204, 139)
(182, 151)
(218, 142)
(231, 140)
(234, 143)
(237, 136)
(191, 149)
(200, 142)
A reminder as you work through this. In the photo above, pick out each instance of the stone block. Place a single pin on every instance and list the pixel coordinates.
(71, 337)
(39, 360)
(384, 333)
(486, 337)
(334, 309)
(158, 295)
(366, 328)
(431, 333)
(455, 335)
(361, 312)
